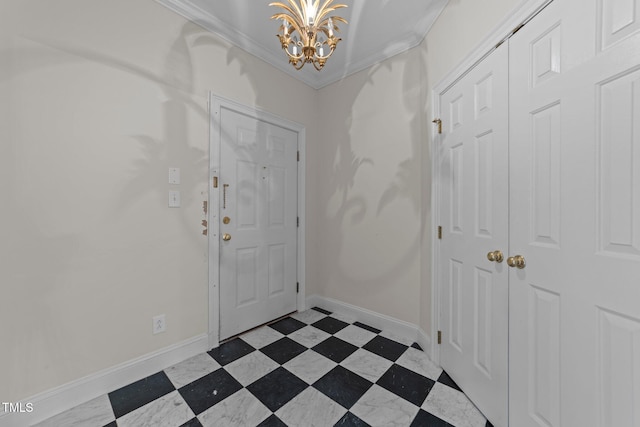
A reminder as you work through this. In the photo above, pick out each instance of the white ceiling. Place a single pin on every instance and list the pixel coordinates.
(377, 30)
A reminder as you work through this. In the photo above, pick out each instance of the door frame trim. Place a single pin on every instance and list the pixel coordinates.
(216, 103)
(520, 14)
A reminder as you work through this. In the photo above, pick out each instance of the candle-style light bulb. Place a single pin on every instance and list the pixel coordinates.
(285, 27)
(330, 25)
(311, 12)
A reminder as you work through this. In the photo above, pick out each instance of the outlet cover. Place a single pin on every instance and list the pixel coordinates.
(159, 324)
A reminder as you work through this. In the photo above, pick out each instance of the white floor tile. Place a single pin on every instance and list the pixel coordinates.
(261, 337)
(366, 364)
(96, 412)
(191, 369)
(251, 367)
(311, 408)
(240, 409)
(453, 407)
(310, 366)
(381, 408)
(355, 335)
(169, 410)
(309, 336)
(309, 316)
(418, 361)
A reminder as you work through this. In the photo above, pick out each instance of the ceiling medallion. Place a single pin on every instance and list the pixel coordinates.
(308, 32)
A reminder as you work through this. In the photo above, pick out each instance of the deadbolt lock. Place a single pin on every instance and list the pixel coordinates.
(517, 261)
(495, 256)
(226, 237)
(226, 220)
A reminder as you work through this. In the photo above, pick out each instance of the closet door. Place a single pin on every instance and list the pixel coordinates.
(575, 216)
(473, 207)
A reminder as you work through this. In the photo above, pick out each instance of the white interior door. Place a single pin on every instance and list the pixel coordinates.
(473, 180)
(258, 228)
(575, 216)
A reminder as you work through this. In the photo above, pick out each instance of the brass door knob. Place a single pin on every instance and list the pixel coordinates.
(517, 261)
(495, 256)
(226, 237)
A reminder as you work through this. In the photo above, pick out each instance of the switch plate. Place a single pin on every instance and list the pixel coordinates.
(174, 176)
(174, 199)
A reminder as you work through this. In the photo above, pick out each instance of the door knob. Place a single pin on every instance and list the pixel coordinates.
(226, 237)
(495, 256)
(516, 261)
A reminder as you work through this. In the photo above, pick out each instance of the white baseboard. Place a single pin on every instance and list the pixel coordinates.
(400, 328)
(60, 399)
(424, 341)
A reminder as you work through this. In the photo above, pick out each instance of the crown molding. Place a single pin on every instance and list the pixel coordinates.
(318, 80)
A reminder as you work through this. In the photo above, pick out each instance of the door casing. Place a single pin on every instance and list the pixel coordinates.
(216, 103)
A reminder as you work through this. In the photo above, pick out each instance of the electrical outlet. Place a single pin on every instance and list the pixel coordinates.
(159, 324)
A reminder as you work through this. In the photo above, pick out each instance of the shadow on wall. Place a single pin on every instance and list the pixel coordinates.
(94, 242)
(355, 161)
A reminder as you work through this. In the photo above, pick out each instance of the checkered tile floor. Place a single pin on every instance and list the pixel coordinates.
(310, 369)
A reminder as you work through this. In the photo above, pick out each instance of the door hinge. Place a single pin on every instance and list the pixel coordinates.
(297, 221)
(298, 155)
(215, 182)
(439, 337)
(439, 123)
(297, 287)
(440, 232)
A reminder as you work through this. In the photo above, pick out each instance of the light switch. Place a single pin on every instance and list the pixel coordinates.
(174, 176)
(174, 199)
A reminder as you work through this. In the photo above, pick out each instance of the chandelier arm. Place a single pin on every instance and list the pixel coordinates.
(290, 19)
(325, 12)
(292, 56)
(299, 13)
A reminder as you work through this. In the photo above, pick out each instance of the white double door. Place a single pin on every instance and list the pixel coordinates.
(258, 221)
(566, 198)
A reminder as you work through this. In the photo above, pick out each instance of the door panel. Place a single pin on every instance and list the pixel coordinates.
(474, 215)
(575, 203)
(258, 177)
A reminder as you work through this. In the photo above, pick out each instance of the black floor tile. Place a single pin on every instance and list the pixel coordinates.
(386, 348)
(288, 325)
(330, 325)
(343, 386)
(321, 310)
(272, 421)
(230, 351)
(283, 350)
(407, 384)
(138, 394)
(205, 392)
(112, 424)
(335, 349)
(425, 419)
(488, 424)
(444, 378)
(350, 420)
(368, 328)
(277, 388)
(416, 346)
(193, 422)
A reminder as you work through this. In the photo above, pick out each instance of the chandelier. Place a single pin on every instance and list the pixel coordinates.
(308, 32)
